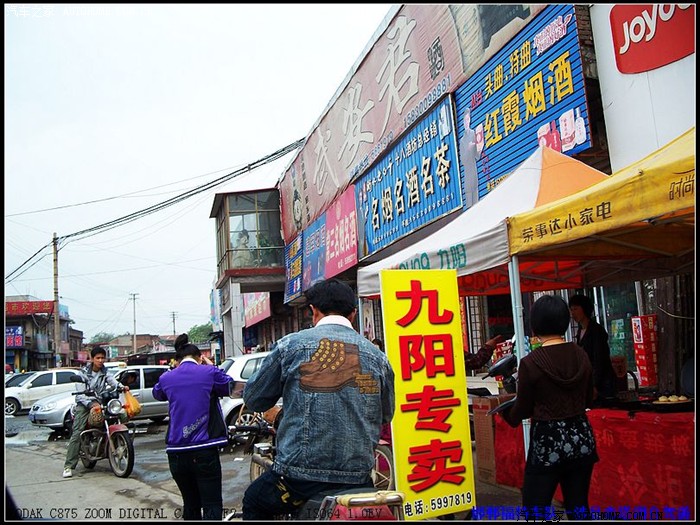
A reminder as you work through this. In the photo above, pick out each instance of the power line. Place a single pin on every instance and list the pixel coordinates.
(95, 201)
(27, 261)
(157, 207)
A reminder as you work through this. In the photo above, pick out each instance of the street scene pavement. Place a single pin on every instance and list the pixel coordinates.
(34, 464)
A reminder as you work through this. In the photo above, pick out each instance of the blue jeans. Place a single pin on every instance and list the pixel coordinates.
(197, 474)
(272, 495)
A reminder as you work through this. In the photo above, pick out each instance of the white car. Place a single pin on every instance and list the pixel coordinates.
(240, 368)
(41, 384)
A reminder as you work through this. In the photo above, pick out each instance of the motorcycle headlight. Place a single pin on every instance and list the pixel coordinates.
(114, 407)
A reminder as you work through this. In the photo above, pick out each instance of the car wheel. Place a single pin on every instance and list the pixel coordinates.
(67, 424)
(11, 406)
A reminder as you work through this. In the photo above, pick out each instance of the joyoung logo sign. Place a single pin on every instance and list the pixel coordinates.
(647, 36)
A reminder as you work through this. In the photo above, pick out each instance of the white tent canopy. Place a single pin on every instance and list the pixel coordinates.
(477, 240)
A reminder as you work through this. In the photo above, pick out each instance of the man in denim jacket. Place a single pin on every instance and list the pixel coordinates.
(338, 391)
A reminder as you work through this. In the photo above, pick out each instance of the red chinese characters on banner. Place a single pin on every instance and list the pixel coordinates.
(432, 355)
(431, 464)
(18, 308)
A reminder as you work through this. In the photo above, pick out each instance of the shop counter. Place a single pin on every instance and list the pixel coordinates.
(647, 461)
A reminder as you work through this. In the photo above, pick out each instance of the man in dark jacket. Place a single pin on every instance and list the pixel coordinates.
(196, 431)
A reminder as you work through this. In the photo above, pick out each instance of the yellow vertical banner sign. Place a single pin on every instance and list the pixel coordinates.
(430, 430)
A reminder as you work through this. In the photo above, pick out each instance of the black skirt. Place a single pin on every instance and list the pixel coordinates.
(560, 444)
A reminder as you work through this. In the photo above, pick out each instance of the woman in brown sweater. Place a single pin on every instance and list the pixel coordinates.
(555, 386)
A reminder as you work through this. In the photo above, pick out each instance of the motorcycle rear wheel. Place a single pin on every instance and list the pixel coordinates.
(121, 455)
(255, 471)
(383, 470)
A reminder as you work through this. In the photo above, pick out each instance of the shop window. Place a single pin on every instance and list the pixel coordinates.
(616, 305)
(254, 226)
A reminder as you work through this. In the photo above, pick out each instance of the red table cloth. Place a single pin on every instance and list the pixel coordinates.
(647, 461)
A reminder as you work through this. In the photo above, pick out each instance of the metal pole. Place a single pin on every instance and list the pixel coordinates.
(133, 296)
(56, 318)
(519, 326)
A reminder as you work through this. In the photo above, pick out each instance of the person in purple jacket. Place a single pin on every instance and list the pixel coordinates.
(197, 430)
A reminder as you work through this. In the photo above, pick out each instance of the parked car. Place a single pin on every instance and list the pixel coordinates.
(37, 386)
(145, 378)
(17, 378)
(55, 411)
(240, 368)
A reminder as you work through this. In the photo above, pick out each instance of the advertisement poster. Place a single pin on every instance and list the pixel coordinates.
(292, 261)
(531, 92)
(341, 234)
(430, 430)
(314, 260)
(415, 183)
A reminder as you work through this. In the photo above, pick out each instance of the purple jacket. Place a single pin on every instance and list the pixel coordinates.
(193, 393)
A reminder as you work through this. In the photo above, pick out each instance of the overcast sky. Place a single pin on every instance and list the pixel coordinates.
(111, 109)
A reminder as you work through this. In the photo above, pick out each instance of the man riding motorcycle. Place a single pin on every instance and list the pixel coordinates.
(338, 390)
(96, 379)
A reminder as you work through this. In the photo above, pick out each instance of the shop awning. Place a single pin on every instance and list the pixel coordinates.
(646, 210)
(476, 242)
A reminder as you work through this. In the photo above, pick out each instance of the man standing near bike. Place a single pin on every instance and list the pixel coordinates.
(97, 379)
(338, 391)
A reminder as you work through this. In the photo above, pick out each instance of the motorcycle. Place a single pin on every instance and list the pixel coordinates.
(258, 439)
(506, 368)
(108, 437)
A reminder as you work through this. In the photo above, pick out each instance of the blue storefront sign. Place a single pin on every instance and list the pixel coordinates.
(314, 263)
(292, 261)
(531, 92)
(415, 183)
(14, 337)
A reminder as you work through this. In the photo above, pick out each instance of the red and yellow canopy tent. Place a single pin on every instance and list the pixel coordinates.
(639, 223)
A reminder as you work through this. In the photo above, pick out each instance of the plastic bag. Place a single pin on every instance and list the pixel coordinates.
(131, 405)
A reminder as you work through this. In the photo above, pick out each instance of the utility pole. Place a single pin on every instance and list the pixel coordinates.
(173, 314)
(133, 298)
(56, 318)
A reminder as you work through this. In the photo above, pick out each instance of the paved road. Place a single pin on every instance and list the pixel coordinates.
(34, 464)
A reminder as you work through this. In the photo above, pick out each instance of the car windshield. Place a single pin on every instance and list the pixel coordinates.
(226, 364)
(17, 379)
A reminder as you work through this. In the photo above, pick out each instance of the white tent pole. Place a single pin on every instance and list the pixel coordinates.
(519, 325)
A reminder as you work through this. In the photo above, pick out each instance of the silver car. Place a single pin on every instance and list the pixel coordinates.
(240, 368)
(55, 411)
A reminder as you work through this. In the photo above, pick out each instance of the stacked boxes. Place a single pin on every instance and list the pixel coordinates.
(485, 435)
(645, 336)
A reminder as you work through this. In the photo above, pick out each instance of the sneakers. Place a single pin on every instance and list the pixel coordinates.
(67, 473)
